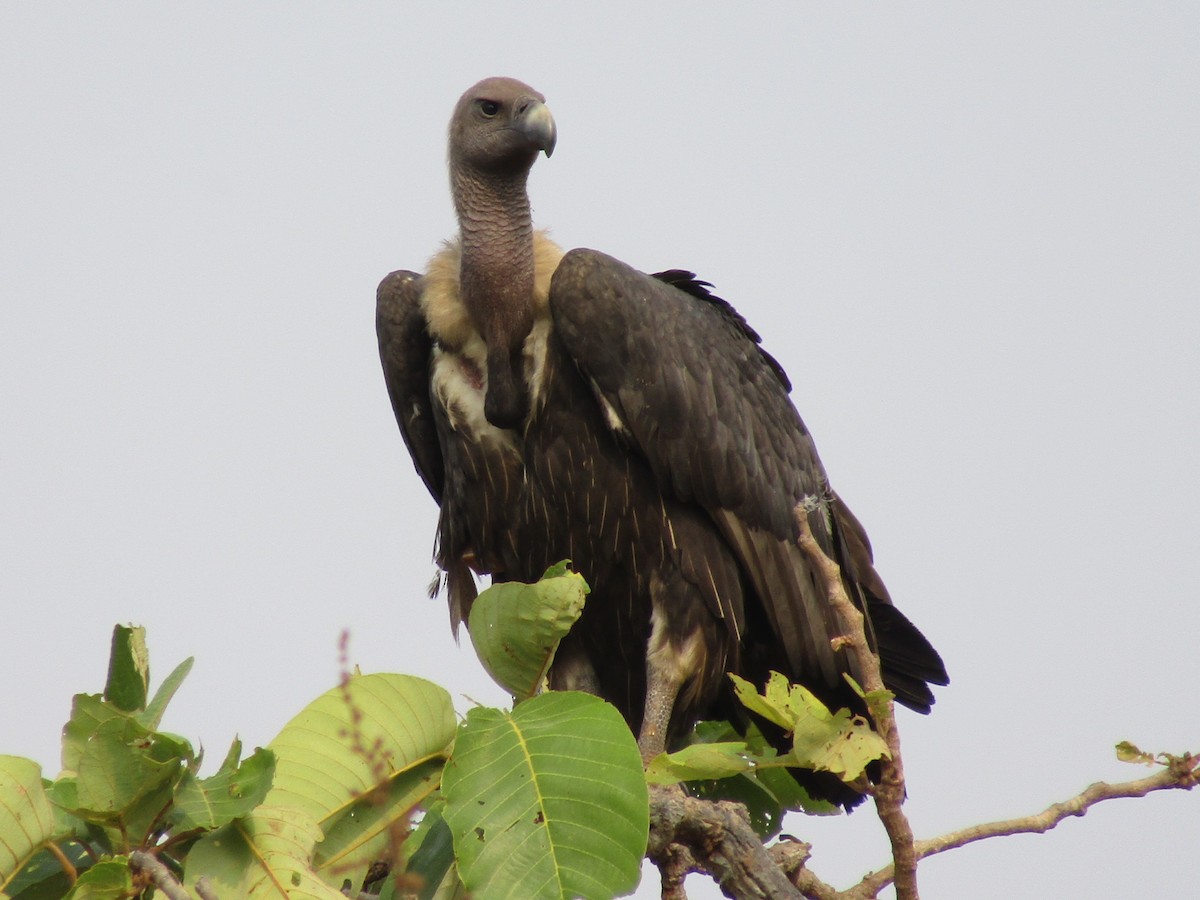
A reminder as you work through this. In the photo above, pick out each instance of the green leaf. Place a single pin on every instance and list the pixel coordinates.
(109, 879)
(1128, 752)
(876, 701)
(231, 793)
(432, 863)
(743, 768)
(838, 742)
(699, 761)
(43, 878)
(266, 855)
(128, 669)
(516, 628)
(124, 778)
(26, 816)
(154, 711)
(548, 801)
(88, 713)
(375, 826)
(123, 763)
(378, 735)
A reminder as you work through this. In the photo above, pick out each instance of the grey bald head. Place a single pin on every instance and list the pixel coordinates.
(500, 125)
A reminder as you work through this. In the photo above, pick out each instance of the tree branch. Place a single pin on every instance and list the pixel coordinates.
(1179, 773)
(692, 835)
(159, 874)
(719, 841)
(890, 792)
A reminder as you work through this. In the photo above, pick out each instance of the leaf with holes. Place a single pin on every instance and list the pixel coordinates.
(838, 742)
(547, 801)
(232, 792)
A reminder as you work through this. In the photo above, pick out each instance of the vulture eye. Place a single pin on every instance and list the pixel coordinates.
(489, 107)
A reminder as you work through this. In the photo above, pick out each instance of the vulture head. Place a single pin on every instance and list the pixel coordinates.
(499, 127)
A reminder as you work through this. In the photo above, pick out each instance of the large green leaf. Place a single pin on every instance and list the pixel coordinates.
(353, 763)
(516, 628)
(231, 793)
(125, 777)
(548, 801)
(266, 856)
(116, 770)
(26, 816)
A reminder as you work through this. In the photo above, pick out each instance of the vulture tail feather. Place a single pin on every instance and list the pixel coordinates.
(909, 662)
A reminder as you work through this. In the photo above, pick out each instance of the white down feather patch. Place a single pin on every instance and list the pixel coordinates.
(459, 370)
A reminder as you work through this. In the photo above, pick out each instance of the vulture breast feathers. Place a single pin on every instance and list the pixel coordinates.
(567, 406)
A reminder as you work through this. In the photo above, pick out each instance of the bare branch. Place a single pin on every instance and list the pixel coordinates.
(1180, 773)
(151, 866)
(792, 856)
(890, 792)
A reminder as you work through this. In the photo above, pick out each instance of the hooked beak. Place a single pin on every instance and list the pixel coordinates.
(535, 122)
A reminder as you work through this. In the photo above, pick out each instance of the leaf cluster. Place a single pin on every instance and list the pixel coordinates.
(377, 778)
(125, 785)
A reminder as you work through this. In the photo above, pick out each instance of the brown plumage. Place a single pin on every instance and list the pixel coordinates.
(568, 406)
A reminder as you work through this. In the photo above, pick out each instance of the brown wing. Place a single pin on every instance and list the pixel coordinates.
(404, 350)
(685, 383)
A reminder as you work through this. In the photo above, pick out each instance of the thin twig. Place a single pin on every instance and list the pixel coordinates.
(890, 792)
(1181, 773)
(164, 880)
(205, 890)
(68, 867)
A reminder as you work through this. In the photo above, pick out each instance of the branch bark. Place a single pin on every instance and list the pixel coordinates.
(159, 874)
(1179, 773)
(890, 792)
(692, 835)
(719, 841)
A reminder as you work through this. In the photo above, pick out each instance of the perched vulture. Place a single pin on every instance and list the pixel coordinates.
(566, 406)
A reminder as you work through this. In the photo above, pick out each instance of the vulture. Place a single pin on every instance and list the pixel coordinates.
(563, 405)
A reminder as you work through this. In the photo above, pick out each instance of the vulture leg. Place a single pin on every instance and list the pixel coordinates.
(662, 687)
(675, 656)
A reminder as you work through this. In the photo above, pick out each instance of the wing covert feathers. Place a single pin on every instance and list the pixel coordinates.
(680, 373)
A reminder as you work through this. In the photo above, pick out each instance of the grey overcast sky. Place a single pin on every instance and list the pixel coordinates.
(970, 233)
